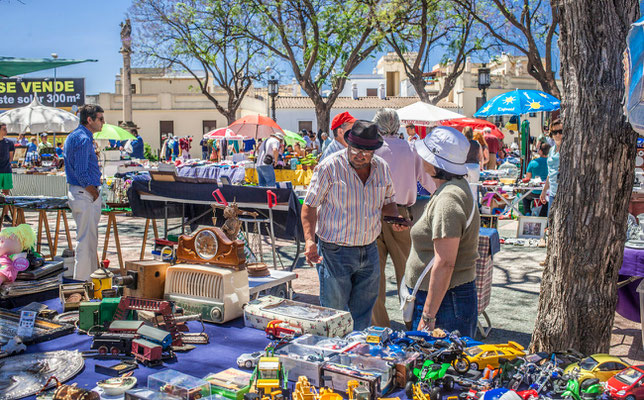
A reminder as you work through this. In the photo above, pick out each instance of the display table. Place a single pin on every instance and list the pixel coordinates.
(192, 201)
(227, 342)
(632, 270)
(520, 191)
(298, 177)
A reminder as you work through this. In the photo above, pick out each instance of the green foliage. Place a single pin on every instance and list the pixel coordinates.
(148, 153)
(202, 38)
(322, 40)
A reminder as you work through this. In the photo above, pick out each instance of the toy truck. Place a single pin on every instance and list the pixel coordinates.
(277, 329)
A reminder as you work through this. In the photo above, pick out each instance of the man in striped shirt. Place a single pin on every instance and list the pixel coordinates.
(352, 190)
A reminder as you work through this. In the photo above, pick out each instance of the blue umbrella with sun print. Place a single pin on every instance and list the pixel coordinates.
(517, 103)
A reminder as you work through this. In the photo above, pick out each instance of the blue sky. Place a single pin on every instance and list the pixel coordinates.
(70, 28)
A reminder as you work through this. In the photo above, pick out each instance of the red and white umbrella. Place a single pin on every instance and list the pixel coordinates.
(223, 133)
(475, 123)
(255, 126)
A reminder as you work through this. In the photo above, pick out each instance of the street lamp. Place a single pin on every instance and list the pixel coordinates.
(484, 80)
(273, 91)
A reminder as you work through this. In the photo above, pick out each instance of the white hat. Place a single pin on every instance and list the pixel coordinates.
(487, 129)
(279, 135)
(445, 148)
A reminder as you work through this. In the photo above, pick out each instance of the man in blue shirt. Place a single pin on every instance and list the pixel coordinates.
(84, 179)
(537, 168)
(137, 145)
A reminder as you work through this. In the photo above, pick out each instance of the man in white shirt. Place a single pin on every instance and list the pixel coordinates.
(267, 158)
(406, 168)
(412, 136)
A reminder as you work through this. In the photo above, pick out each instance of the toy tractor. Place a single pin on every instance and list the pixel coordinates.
(269, 380)
(431, 378)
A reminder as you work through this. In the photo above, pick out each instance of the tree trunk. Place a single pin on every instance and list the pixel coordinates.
(419, 85)
(588, 220)
(323, 115)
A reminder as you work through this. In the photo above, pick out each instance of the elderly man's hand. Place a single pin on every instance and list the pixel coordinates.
(399, 227)
(311, 253)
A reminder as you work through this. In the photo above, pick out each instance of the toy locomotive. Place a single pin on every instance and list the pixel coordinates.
(147, 344)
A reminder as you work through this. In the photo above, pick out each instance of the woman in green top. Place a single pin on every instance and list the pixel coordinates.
(448, 232)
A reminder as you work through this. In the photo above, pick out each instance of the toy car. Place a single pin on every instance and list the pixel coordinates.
(628, 384)
(249, 360)
(13, 346)
(489, 354)
(277, 329)
(600, 366)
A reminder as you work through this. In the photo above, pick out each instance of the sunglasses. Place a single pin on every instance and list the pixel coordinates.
(557, 132)
(366, 153)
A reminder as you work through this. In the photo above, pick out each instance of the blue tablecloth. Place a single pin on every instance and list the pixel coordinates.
(227, 342)
(628, 300)
(493, 237)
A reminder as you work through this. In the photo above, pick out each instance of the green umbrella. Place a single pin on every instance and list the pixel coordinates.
(291, 137)
(113, 132)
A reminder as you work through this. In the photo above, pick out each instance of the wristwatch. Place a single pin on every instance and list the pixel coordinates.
(428, 319)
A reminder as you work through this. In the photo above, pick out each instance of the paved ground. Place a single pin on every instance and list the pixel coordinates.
(514, 297)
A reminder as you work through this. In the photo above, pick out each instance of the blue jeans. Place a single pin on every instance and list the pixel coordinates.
(349, 280)
(551, 198)
(265, 175)
(458, 310)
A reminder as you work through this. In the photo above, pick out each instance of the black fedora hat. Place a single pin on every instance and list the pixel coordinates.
(364, 135)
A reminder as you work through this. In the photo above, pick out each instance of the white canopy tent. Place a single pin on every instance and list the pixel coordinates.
(425, 114)
(37, 118)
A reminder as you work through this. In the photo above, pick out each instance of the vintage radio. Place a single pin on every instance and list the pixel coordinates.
(211, 246)
(144, 279)
(217, 294)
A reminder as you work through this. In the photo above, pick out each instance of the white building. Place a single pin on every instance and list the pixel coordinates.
(169, 102)
(297, 112)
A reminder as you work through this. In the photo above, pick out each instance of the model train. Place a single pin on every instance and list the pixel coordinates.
(147, 344)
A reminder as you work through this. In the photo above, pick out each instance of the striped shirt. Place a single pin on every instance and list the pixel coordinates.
(349, 211)
(333, 147)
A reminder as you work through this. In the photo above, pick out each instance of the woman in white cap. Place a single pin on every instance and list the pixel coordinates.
(446, 236)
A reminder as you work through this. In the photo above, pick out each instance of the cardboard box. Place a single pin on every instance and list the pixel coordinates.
(312, 319)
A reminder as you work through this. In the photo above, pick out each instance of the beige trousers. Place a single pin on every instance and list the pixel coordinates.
(397, 245)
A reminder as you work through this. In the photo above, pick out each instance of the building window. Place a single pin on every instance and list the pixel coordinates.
(372, 92)
(308, 125)
(208, 125)
(498, 119)
(532, 115)
(133, 88)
